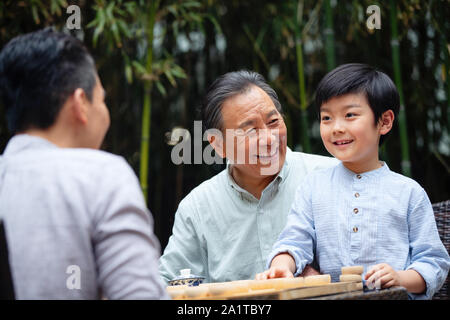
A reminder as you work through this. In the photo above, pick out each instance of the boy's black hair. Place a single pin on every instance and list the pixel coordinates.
(378, 88)
(38, 72)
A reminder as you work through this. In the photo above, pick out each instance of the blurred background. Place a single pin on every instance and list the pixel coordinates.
(156, 60)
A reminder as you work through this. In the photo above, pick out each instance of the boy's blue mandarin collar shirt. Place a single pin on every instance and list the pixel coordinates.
(365, 219)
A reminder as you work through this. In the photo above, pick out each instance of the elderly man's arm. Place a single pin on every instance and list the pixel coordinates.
(184, 250)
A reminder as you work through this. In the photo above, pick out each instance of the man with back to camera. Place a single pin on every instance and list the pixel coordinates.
(76, 222)
(224, 229)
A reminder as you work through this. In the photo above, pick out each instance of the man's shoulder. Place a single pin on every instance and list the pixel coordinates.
(311, 161)
(92, 157)
(207, 188)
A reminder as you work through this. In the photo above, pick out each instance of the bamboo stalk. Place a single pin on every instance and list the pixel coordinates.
(329, 37)
(405, 164)
(301, 81)
(147, 107)
(445, 49)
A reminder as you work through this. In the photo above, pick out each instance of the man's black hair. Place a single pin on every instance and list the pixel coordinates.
(355, 78)
(38, 72)
(226, 86)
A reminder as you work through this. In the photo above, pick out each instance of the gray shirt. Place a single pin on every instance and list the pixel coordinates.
(224, 233)
(76, 223)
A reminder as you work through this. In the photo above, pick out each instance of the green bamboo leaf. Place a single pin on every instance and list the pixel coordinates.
(191, 4)
(172, 9)
(215, 23)
(124, 28)
(139, 67)
(109, 11)
(53, 7)
(170, 78)
(115, 33)
(35, 14)
(178, 72)
(160, 88)
(99, 28)
(129, 73)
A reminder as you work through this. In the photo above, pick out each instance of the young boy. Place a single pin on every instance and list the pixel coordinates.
(359, 212)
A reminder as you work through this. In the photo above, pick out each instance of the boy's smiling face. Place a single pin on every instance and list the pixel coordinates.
(349, 132)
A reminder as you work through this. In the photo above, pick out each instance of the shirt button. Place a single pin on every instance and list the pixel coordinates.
(357, 195)
(355, 210)
(355, 229)
(358, 176)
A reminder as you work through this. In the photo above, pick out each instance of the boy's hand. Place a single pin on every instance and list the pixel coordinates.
(275, 272)
(382, 276)
(282, 266)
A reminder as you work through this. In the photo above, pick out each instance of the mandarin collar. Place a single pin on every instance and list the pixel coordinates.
(368, 174)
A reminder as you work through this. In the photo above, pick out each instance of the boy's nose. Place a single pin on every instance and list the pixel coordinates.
(338, 127)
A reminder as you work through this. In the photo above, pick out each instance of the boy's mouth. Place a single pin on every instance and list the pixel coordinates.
(342, 142)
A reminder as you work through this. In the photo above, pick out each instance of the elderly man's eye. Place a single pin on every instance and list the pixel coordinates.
(273, 121)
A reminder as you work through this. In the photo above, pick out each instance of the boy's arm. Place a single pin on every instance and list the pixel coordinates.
(297, 239)
(429, 258)
(412, 281)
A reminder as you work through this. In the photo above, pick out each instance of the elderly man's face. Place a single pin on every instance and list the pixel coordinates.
(255, 133)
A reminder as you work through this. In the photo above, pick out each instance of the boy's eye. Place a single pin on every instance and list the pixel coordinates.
(325, 118)
(350, 114)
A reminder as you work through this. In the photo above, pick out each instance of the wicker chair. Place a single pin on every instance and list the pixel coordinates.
(6, 282)
(442, 215)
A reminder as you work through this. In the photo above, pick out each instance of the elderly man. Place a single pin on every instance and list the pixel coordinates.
(75, 218)
(224, 229)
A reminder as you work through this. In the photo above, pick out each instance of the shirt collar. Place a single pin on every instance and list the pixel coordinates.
(21, 142)
(369, 174)
(281, 176)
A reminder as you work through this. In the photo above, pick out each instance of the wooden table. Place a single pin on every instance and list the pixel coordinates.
(394, 293)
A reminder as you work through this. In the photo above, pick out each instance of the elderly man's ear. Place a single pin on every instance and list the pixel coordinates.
(216, 140)
(79, 106)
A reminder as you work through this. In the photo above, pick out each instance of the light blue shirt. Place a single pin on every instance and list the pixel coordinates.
(76, 223)
(224, 233)
(364, 219)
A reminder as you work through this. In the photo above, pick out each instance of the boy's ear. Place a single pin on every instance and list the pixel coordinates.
(79, 105)
(386, 121)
